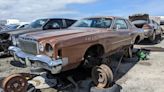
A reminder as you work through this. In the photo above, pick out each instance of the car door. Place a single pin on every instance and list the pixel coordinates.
(123, 32)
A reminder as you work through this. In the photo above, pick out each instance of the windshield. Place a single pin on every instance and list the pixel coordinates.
(94, 23)
(38, 23)
(139, 22)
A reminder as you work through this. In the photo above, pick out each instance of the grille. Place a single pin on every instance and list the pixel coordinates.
(28, 46)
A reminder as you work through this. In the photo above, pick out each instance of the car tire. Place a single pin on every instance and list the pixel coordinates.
(128, 52)
(160, 36)
(102, 76)
(152, 38)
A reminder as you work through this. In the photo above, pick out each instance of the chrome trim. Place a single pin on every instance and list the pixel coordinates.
(41, 61)
(30, 40)
(121, 41)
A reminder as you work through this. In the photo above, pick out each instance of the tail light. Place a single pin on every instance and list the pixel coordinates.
(146, 26)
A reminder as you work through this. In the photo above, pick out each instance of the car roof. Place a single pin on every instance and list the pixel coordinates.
(112, 17)
(58, 18)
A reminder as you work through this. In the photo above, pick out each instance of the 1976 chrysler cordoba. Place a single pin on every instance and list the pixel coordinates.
(86, 42)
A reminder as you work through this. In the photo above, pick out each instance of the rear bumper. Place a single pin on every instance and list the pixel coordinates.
(38, 61)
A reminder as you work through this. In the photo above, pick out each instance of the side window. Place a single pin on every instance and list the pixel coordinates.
(69, 22)
(120, 24)
(54, 24)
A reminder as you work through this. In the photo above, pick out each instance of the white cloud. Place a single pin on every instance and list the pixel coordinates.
(32, 9)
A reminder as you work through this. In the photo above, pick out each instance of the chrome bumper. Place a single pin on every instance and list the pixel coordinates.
(40, 61)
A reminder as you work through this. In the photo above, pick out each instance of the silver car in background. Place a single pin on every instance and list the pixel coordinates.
(152, 29)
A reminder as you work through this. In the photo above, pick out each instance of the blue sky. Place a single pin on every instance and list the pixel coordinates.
(28, 10)
(121, 7)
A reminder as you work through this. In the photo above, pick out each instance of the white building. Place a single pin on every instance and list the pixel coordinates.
(9, 21)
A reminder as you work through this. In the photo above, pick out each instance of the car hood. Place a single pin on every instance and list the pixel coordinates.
(23, 31)
(70, 32)
(139, 17)
(20, 31)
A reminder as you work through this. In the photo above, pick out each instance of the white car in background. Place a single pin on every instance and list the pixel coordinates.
(150, 25)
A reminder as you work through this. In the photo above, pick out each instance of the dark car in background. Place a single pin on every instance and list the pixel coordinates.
(9, 37)
(152, 29)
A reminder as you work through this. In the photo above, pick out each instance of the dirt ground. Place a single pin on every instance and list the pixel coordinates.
(132, 76)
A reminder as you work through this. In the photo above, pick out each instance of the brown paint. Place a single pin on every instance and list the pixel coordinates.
(74, 42)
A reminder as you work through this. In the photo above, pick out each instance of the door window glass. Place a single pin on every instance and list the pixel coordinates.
(121, 24)
(54, 24)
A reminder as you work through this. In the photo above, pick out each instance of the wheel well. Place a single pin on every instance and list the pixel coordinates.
(95, 47)
(137, 39)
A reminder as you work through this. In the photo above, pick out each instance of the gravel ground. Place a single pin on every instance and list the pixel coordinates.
(132, 76)
(7, 67)
(145, 76)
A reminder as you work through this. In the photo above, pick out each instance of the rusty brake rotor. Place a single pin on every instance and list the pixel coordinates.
(15, 83)
(102, 76)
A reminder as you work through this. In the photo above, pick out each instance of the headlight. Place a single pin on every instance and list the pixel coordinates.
(49, 50)
(41, 47)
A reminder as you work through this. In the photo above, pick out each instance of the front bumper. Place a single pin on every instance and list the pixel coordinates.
(38, 61)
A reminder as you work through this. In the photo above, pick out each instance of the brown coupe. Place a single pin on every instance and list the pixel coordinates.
(86, 43)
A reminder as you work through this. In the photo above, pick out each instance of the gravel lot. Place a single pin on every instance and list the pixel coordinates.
(145, 76)
(133, 76)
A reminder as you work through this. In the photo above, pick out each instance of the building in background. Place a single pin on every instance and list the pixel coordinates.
(11, 24)
(9, 21)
